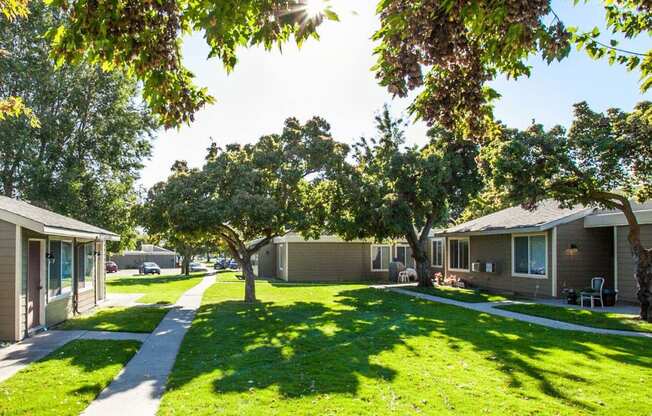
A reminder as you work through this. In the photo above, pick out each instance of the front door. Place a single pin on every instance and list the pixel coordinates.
(34, 284)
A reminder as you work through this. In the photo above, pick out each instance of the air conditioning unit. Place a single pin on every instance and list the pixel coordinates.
(475, 266)
(490, 267)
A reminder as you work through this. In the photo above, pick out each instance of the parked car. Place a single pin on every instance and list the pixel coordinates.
(222, 264)
(197, 267)
(149, 268)
(111, 267)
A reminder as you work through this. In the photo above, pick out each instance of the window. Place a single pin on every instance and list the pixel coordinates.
(438, 252)
(54, 279)
(458, 252)
(86, 256)
(380, 258)
(404, 255)
(281, 256)
(529, 254)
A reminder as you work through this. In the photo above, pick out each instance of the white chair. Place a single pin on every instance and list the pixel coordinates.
(597, 284)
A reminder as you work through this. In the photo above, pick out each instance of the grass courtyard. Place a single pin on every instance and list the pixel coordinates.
(347, 349)
(133, 319)
(585, 317)
(163, 290)
(67, 380)
(462, 295)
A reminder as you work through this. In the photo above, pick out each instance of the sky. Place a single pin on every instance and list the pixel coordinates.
(332, 78)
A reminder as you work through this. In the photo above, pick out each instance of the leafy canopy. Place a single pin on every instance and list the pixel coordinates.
(602, 159)
(143, 37)
(95, 131)
(454, 48)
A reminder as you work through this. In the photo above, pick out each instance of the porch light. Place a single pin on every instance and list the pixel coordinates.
(572, 250)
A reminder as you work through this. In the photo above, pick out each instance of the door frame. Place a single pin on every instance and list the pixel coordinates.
(42, 282)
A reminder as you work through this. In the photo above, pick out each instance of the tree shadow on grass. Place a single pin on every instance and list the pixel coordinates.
(307, 348)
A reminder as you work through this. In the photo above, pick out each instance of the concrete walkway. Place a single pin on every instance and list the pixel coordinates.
(488, 307)
(137, 390)
(17, 356)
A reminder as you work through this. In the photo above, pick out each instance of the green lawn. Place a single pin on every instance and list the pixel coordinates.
(164, 289)
(347, 349)
(67, 380)
(133, 319)
(462, 295)
(582, 317)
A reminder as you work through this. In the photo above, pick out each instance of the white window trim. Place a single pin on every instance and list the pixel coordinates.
(63, 294)
(371, 256)
(280, 255)
(468, 248)
(407, 246)
(528, 275)
(432, 249)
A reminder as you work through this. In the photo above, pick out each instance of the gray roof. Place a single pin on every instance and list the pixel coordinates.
(547, 214)
(48, 219)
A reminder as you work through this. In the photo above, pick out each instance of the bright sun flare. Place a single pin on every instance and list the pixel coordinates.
(315, 7)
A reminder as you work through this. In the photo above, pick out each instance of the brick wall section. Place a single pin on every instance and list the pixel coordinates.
(626, 282)
(594, 257)
(8, 330)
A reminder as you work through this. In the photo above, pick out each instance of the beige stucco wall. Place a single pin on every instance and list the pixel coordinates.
(9, 329)
(626, 282)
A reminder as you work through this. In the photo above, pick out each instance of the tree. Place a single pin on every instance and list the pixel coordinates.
(453, 49)
(166, 215)
(246, 195)
(143, 38)
(488, 201)
(15, 106)
(391, 191)
(95, 132)
(604, 160)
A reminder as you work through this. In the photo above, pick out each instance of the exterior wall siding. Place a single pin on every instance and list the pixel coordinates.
(498, 249)
(627, 286)
(8, 320)
(594, 257)
(58, 310)
(331, 262)
(267, 261)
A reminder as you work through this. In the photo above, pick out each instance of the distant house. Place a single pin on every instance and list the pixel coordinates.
(51, 266)
(165, 258)
(537, 253)
(543, 251)
(329, 259)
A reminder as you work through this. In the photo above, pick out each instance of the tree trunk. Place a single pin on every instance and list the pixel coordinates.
(643, 275)
(250, 279)
(423, 273)
(420, 255)
(185, 264)
(642, 261)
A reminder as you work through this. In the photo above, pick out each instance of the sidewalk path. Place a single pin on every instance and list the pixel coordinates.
(137, 390)
(488, 307)
(17, 356)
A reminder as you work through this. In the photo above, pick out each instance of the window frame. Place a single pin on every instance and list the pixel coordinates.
(88, 285)
(406, 247)
(528, 275)
(433, 253)
(280, 256)
(468, 254)
(61, 294)
(371, 257)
